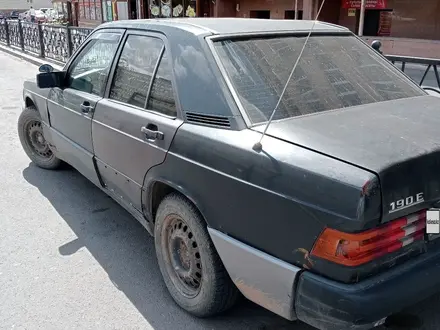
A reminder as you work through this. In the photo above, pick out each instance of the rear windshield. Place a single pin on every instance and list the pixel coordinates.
(334, 72)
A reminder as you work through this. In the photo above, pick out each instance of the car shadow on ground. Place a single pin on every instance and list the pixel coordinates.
(125, 251)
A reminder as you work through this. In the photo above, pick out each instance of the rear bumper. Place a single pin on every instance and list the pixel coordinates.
(329, 305)
(293, 293)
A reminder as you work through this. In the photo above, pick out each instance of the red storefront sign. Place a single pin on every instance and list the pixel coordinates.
(370, 4)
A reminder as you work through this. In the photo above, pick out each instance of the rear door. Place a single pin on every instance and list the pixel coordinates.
(134, 125)
(71, 109)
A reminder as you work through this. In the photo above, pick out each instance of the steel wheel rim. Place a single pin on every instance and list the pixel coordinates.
(182, 256)
(36, 141)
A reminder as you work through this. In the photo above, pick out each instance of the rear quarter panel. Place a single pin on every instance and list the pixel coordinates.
(277, 201)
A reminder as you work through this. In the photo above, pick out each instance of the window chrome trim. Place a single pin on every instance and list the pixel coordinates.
(135, 107)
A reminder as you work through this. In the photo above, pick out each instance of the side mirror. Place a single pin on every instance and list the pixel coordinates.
(46, 68)
(51, 79)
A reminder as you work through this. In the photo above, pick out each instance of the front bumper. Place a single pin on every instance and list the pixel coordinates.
(329, 305)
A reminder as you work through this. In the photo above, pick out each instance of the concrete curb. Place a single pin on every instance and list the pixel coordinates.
(30, 58)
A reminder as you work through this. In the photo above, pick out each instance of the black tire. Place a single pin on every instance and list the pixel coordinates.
(176, 220)
(32, 139)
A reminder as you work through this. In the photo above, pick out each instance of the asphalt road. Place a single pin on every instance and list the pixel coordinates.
(416, 71)
(71, 258)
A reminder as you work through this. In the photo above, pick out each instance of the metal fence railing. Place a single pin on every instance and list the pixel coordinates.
(427, 65)
(54, 42)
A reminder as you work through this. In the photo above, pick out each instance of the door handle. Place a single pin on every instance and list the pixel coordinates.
(86, 107)
(152, 133)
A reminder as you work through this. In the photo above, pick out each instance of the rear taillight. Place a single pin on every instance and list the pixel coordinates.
(357, 249)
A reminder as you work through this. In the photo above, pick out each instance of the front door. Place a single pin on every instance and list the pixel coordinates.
(71, 108)
(371, 22)
(134, 125)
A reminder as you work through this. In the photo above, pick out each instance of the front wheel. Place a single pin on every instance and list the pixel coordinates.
(190, 266)
(30, 132)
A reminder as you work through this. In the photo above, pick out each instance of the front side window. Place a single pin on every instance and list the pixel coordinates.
(334, 72)
(135, 70)
(89, 71)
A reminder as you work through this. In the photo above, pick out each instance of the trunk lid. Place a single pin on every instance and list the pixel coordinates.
(398, 140)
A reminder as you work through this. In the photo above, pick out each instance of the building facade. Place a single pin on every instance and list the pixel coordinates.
(405, 27)
(275, 9)
(91, 13)
(23, 5)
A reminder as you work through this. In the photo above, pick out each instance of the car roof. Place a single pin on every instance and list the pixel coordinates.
(226, 25)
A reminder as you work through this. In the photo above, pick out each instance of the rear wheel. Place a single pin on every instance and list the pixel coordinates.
(30, 131)
(190, 266)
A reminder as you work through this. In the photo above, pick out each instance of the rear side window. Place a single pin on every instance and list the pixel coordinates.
(334, 72)
(135, 70)
(162, 97)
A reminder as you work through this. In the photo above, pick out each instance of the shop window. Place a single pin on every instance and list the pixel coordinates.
(371, 23)
(107, 10)
(260, 14)
(290, 14)
(87, 8)
(90, 9)
(81, 10)
(133, 14)
(172, 8)
(122, 10)
(98, 11)
(377, 22)
(104, 11)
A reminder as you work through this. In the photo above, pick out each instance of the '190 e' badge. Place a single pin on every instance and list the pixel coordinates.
(406, 202)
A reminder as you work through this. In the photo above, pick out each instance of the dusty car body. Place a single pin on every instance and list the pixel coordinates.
(326, 224)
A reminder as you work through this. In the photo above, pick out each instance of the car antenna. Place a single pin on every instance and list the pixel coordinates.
(258, 147)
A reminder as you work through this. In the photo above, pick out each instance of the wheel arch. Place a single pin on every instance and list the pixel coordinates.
(39, 102)
(29, 102)
(157, 188)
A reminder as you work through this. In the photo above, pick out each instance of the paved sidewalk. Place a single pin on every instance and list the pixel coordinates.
(30, 57)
